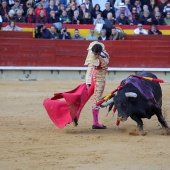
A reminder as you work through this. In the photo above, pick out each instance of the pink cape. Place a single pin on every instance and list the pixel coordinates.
(62, 112)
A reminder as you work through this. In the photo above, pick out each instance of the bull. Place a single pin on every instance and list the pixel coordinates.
(138, 98)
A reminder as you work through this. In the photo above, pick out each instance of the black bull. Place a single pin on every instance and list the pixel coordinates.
(138, 98)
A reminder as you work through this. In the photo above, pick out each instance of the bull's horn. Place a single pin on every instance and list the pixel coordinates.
(107, 102)
(131, 94)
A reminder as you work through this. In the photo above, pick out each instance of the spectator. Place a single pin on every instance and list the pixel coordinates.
(98, 19)
(107, 10)
(42, 32)
(146, 18)
(135, 15)
(64, 34)
(88, 5)
(71, 11)
(61, 9)
(132, 21)
(53, 18)
(41, 18)
(157, 19)
(17, 6)
(77, 35)
(138, 6)
(117, 5)
(29, 4)
(122, 19)
(52, 7)
(11, 16)
(167, 19)
(54, 34)
(91, 36)
(64, 18)
(145, 8)
(83, 10)
(156, 9)
(19, 17)
(122, 8)
(162, 5)
(112, 2)
(30, 17)
(45, 3)
(72, 3)
(95, 11)
(115, 35)
(140, 30)
(76, 18)
(12, 27)
(154, 30)
(109, 22)
(128, 5)
(166, 9)
(10, 3)
(87, 18)
(57, 3)
(39, 9)
(103, 35)
(4, 10)
(152, 5)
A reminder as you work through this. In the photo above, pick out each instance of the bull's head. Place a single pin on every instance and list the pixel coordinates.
(124, 102)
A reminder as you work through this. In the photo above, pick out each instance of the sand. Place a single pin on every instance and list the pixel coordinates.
(30, 141)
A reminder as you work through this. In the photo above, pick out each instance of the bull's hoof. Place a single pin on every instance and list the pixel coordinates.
(168, 131)
(143, 133)
(99, 127)
(75, 121)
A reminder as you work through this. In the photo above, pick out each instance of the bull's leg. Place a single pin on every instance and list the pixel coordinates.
(161, 119)
(139, 121)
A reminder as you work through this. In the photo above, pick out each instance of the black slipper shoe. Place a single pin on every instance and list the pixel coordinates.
(99, 127)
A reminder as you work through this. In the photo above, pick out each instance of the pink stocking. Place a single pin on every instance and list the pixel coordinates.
(95, 117)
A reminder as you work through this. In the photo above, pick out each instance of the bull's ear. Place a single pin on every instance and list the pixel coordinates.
(131, 94)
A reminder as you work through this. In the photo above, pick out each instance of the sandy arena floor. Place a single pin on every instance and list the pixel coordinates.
(30, 141)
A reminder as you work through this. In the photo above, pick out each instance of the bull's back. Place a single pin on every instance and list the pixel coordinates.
(155, 87)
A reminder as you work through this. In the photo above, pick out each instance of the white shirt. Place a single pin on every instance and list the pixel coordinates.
(0, 18)
(116, 4)
(103, 38)
(138, 31)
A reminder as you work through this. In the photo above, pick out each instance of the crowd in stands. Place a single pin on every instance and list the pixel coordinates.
(116, 12)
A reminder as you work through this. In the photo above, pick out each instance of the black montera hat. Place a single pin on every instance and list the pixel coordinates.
(97, 48)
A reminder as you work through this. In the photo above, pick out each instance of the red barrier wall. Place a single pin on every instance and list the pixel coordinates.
(16, 34)
(36, 52)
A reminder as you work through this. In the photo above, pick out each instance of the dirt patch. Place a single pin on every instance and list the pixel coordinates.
(29, 139)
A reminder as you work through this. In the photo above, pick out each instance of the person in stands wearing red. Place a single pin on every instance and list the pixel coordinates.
(30, 17)
(41, 18)
(39, 9)
(4, 9)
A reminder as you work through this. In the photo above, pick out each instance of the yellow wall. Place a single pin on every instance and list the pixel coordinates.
(85, 32)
